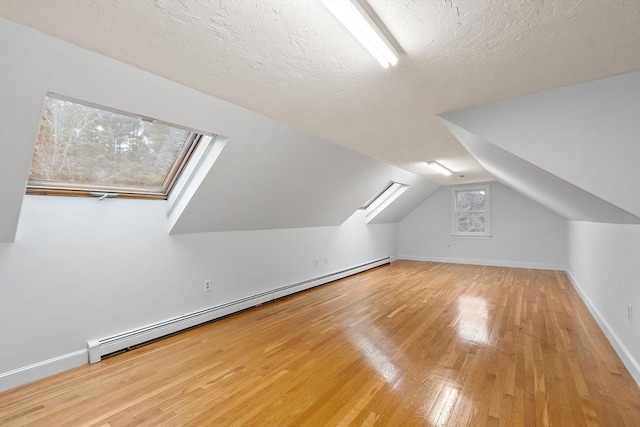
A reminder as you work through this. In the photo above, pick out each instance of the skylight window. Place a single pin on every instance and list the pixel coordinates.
(380, 201)
(83, 149)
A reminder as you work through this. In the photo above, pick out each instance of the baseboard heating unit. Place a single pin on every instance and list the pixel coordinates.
(125, 340)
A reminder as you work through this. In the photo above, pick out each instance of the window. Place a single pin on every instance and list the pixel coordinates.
(380, 201)
(83, 149)
(471, 210)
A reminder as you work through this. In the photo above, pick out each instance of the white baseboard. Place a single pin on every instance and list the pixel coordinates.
(488, 262)
(39, 370)
(127, 339)
(625, 355)
(98, 348)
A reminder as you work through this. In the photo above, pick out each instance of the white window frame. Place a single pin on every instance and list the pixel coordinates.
(64, 188)
(487, 211)
(383, 199)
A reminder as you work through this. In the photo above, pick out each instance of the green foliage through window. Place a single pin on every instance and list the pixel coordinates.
(92, 149)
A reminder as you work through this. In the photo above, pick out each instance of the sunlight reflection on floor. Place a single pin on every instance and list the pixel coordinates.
(375, 355)
(473, 317)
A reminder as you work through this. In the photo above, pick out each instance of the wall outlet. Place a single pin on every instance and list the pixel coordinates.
(207, 286)
(317, 261)
(326, 260)
(630, 313)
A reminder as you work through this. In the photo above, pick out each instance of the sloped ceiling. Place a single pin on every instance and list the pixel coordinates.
(286, 179)
(291, 60)
(575, 150)
(268, 176)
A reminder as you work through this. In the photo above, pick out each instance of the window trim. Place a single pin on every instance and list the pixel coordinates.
(53, 188)
(378, 195)
(378, 203)
(487, 211)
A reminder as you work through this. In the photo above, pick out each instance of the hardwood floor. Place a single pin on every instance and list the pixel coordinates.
(408, 344)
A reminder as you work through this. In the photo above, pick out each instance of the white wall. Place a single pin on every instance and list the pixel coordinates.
(604, 264)
(524, 234)
(82, 269)
(560, 196)
(586, 134)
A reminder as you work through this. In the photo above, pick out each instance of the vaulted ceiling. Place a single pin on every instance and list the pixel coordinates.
(260, 173)
(575, 150)
(292, 61)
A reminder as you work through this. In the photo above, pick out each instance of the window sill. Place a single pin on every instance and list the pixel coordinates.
(465, 236)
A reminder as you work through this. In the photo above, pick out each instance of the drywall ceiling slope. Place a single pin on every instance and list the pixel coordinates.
(419, 190)
(287, 179)
(268, 176)
(556, 194)
(293, 61)
(20, 111)
(586, 134)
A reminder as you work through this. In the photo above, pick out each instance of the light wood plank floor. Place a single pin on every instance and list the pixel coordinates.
(406, 345)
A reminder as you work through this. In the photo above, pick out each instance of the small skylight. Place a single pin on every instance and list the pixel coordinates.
(380, 201)
(87, 150)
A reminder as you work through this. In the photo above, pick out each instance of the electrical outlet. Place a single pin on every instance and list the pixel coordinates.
(630, 313)
(317, 261)
(207, 286)
(326, 260)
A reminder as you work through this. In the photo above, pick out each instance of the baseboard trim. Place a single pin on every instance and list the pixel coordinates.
(624, 354)
(43, 369)
(98, 348)
(487, 262)
(134, 337)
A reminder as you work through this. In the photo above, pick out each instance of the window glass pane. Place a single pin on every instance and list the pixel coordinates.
(470, 222)
(77, 144)
(470, 201)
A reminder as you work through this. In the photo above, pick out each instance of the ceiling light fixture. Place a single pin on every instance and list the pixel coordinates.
(439, 168)
(356, 19)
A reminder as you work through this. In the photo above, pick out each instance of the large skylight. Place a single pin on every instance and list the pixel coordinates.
(84, 149)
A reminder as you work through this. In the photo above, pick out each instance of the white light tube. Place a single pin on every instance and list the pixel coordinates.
(353, 16)
(439, 168)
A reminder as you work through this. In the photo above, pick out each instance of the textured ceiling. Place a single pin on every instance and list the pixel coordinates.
(292, 60)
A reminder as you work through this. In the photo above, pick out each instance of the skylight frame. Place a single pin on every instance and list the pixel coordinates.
(377, 195)
(378, 203)
(59, 188)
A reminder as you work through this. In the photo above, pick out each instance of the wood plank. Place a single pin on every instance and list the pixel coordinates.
(413, 343)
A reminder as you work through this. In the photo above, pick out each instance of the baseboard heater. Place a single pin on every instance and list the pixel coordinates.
(125, 340)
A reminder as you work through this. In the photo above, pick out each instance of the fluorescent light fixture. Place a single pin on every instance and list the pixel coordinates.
(356, 19)
(439, 168)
